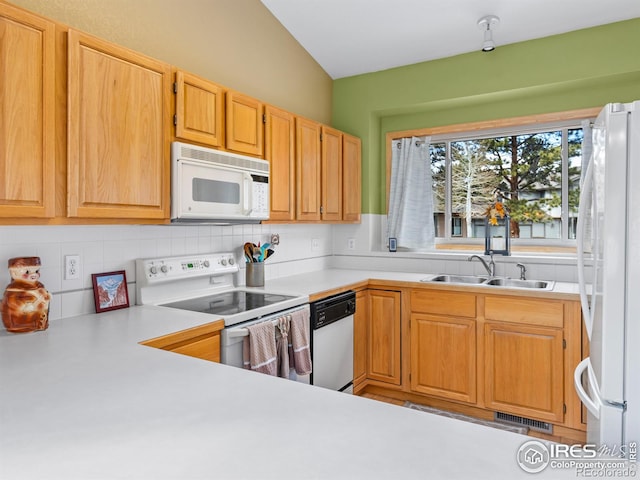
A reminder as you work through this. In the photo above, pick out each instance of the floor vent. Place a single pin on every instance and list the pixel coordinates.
(522, 421)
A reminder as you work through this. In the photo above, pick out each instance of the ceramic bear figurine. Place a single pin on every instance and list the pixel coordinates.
(25, 305)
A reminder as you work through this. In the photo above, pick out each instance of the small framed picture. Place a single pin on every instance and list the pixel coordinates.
(110, 291)
(393, 244)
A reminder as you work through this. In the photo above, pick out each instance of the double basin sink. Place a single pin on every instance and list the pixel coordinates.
(491, 281)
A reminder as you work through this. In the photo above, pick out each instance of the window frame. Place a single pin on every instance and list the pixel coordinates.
(566, 120)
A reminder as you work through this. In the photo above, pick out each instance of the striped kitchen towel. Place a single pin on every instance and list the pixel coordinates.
(299, 334)
(259, 349)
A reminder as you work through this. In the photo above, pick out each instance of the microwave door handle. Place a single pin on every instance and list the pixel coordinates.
(247, 195)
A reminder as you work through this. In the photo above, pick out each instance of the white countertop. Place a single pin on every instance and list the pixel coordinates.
(83, 400)
(332, 279)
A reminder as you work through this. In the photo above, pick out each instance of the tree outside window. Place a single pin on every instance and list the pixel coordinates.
(524, 170)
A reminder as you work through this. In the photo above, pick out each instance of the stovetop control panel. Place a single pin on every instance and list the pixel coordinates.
(151, 270)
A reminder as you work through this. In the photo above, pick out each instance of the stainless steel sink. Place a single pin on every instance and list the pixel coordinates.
(491, 282)
(457, 279)
(512, 282)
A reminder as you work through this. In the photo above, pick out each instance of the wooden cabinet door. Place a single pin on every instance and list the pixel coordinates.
(360, 338)
(206, 348)
(201, 342)
(351, 178)
(199, 110)
(443, 356)
(280, 152)
(331, 168)
(384, 336)
(119, 131)
(245, 124)
(307, 170)
(27, 114)
(524, 370)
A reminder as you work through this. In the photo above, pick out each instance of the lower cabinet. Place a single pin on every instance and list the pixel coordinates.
(524, 357)
(495, 352)
(200, 342)
(443, 356)
(524, 370)
(384, 356)
(360, 338)
(443, 344)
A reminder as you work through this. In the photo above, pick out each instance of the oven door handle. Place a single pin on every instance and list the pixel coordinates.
(247, 207)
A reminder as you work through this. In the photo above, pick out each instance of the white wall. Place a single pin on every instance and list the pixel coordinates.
(110, 248)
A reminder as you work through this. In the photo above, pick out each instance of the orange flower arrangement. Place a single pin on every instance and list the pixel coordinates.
(494, 211)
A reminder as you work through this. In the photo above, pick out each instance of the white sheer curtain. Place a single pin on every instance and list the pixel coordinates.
(410, 217)
(587, 147)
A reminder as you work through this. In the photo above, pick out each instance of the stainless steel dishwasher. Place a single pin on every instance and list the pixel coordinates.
(332, 341)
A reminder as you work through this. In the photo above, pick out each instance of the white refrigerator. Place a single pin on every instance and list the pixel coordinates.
(608, 381)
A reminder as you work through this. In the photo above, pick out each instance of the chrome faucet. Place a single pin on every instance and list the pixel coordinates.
(489, 267)
(523, 271)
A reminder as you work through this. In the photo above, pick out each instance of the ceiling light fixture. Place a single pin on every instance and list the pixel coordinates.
(485, 24)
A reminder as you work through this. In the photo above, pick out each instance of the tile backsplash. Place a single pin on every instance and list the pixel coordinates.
(105, 248)
(303, 248)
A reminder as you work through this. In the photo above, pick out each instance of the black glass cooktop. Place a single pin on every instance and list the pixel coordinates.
(229, 303)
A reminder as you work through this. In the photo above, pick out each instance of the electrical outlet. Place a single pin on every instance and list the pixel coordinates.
(351, 244)
(275, 239)
(71, 267)
(315, 244)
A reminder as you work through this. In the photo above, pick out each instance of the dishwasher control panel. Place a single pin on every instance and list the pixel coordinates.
(331, 309)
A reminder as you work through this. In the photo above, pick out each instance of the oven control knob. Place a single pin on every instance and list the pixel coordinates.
(206, 264)
(153, 270)
(231, 261)
(164, 269)
(223, 262)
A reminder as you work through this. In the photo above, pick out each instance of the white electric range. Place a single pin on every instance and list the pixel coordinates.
(205, 285)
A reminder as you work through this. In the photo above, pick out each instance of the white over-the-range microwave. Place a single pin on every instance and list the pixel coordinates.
(213, 186)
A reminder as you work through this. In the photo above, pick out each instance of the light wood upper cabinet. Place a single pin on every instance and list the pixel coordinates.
(199, 110)
(331, 199)
(245, 126)
(308, 168)
(351, 178)
(119, 131)
(27, 115)
(384, 336)
(280, 152)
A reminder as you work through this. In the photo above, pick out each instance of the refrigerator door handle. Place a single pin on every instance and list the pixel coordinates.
(593, 405)
(585, 193)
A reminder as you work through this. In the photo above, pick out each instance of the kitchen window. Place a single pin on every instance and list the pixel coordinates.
(532, 164)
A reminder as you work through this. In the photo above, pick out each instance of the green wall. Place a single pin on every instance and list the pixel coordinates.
(581, 69)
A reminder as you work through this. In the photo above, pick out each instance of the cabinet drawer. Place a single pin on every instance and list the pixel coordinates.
(443, 303)
(549, 313)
